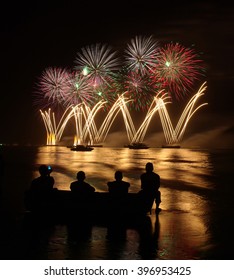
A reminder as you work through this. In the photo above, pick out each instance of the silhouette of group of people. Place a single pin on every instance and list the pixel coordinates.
(150, 184)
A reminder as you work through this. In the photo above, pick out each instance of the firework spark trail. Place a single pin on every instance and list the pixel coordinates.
(175, 136)
(109, 119)
(99, 135)
(189, 111)
(130, 128)
(89, 129)
(154, 107)
(84, 122)
(78, 113)
(54, 131)
(168, 129)
(90, 126)
(50, 139)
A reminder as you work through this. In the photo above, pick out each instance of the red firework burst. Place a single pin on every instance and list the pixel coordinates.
(178, 69)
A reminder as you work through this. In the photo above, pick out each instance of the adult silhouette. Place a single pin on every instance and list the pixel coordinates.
(41, 190)
(45, 182)
(118, 188)
(150, 184)
(83, 196)
(80, 186)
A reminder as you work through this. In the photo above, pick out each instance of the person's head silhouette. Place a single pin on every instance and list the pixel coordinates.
(43, 170)
(80, 176)
(118, 175)
(149, 167)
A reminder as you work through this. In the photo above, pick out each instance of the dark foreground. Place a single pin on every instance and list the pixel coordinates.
(171, 234)
(59, 205)
(195, 221)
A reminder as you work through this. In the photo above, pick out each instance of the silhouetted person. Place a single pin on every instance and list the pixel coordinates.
(44, 182)
(118, 188)
(118, 195)
(150, 183)
(41, 190)
(80, 186)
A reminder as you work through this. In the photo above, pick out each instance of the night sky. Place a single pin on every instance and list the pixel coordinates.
(39, 35)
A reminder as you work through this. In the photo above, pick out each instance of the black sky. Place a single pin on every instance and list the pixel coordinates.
(45, 33)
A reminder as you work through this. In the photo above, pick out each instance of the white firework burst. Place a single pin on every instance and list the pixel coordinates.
(98, 62)
(141, 54)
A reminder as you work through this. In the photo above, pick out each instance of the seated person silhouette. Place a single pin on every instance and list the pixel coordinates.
(44, 183)
(80, 187)
(118, 188)
(41, 189)
(150, 183)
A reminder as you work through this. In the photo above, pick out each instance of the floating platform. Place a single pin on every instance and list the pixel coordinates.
(137, 146)
(171, 146)
(81, 148)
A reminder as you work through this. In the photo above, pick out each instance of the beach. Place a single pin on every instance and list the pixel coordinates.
(195, 222)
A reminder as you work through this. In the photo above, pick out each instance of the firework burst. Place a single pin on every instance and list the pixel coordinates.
(106, 92)
(97, 62)
(146, 69)
(52, 87)
(139, 88)
(80, 90)
(141, 54)
(178, 68)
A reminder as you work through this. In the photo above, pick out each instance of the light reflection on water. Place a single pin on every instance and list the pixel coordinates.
(182, 171)
(190, 225)
(185, 166)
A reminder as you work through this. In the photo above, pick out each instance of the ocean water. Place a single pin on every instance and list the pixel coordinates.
(195, 221)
